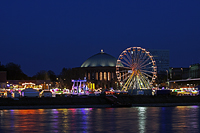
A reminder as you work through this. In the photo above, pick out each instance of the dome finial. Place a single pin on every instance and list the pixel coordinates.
(102, 51)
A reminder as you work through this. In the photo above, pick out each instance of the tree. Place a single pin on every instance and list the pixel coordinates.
(14, 72)
(68, 74)
(52, 75)
(41, 75)
(2, 67)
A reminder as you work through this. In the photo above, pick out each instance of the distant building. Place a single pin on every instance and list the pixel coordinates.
(185, 73)
(178, 73)
(185, 77)
(162, 60)
(194, 71)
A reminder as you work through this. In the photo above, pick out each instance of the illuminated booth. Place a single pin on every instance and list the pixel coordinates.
(79, 86)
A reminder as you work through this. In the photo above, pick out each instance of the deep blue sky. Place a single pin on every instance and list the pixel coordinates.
(52, 34)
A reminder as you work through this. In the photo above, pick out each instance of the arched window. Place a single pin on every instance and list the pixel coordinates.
(101, 76)
(88, 76)
(109, 76)
(97, 76)
(105, 76)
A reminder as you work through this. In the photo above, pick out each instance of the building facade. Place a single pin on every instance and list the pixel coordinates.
(194, 71)
(100, 69)
(178, 73)
(162, 60)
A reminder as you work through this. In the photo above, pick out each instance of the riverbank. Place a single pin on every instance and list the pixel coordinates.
(96, 106)
(98, 102)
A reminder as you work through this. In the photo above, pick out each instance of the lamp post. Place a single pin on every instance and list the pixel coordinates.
(171, 72)
(167, 74)
(167, 79)
(181, 73)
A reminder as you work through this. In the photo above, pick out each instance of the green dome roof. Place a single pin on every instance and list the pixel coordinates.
(100, 60)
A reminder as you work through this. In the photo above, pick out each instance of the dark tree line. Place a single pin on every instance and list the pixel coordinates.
(45, 75)
(14, 72)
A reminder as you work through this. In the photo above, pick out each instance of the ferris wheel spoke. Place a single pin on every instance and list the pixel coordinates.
(142, 58)
(132, 82)
(140, 82)
(129, 58)
(142, 63)
(146, 66)
(124, 74)
(125, 58)
(147, 75)
(123, 71)
(137, 56)
(125, 63)
(134, 55)
(146, 57)
(145, 81)
(135, 83)
(128, 84)
(141, 54)
(150, 68)
(128, 81)
(126, 77)
(147, 71)
(137, 64)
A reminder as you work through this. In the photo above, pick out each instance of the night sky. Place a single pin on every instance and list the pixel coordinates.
(52, 34)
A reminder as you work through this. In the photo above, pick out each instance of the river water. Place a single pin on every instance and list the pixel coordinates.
(135, 119)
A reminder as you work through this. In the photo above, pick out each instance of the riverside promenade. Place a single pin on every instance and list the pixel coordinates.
(98, 102)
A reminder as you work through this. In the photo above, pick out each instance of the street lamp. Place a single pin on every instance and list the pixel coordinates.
(171, 73)
(181, 73)
(167, 79)
(167, 74)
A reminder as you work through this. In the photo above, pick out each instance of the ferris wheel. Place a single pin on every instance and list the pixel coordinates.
(136, 69)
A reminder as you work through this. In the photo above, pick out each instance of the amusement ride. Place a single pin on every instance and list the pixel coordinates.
(136, 69)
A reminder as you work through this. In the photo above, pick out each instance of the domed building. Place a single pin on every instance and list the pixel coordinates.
(100, 69)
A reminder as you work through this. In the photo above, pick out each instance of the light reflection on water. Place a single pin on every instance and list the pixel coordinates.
(135, 119)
